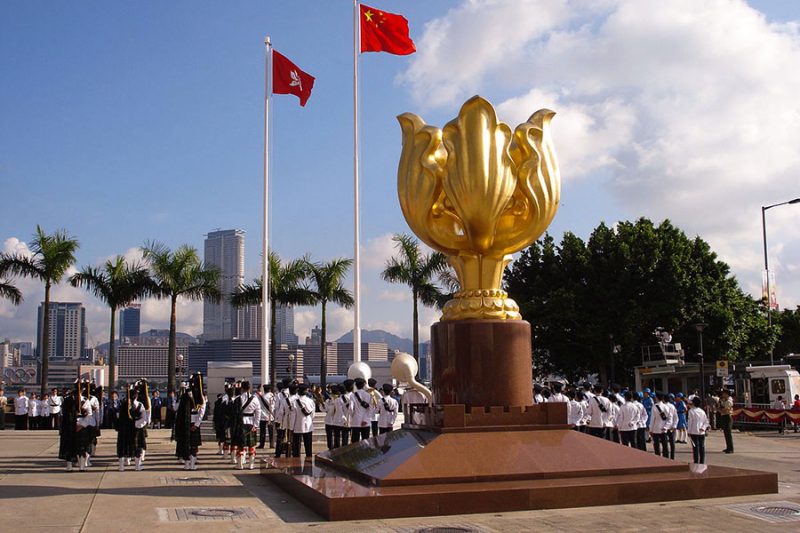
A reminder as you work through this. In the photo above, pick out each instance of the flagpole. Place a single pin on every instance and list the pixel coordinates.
(265, 304)
(356, 216)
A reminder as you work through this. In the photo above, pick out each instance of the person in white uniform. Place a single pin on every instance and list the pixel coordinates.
(247, 409)
(303, 426)
(387, 410)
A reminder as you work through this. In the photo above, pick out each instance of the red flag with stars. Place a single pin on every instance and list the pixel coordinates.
(384, 32)
(288, 79)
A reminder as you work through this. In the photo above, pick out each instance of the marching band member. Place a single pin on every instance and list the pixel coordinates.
(362, 411)
(387, 410)
(244, 434)
(303, 421)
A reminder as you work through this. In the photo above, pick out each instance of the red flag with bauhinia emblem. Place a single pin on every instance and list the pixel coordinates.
(384, 32)
(288, 79)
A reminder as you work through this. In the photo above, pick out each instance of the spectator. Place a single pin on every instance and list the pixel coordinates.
(33, 412)
(780, 405)
(155, 413)
(3, 403)
(44, 413)
(21, 410)
(172, 408)
(697, 426)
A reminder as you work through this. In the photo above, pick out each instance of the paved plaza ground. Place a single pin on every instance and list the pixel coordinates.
(38, 495)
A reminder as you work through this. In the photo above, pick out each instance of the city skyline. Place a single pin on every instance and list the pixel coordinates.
(677, 139)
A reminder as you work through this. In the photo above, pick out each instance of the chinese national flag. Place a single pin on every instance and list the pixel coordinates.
(288, 79)
(384, 32)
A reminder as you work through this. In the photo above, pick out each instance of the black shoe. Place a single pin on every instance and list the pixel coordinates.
(727, 451)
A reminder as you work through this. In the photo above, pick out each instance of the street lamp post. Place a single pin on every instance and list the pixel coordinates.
(291, 366)
(700, 327)
(766, 264)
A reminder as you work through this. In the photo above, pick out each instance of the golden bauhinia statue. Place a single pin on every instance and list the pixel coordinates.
(477, 192)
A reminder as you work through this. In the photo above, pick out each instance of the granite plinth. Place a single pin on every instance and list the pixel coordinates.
(418, 473)
(481, 363)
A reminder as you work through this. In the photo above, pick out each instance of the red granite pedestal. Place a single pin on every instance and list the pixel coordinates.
(423, 473)
(458, 457)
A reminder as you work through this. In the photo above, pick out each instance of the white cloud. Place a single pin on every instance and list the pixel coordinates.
(395, 296)
(377, 251)
(683, 110)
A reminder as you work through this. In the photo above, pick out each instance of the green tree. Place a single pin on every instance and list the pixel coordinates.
(51, 256)
(10, 292)
(789, 340)
(415, 269)
(327, 279)
(617, 287)
(179, 274)
(118, 284)
(286, 287)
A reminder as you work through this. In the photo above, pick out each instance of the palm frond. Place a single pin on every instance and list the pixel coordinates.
(10, 292)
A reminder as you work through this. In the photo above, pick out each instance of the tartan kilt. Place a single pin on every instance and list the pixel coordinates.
(250, 437)
(140, 440)
(222, 435)
(84, 440)
(195, 439)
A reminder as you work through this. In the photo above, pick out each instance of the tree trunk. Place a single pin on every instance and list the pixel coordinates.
(45, 344)
(112, 352)
(415, 325)
(323, 353)
(171, 350)
(272, 329)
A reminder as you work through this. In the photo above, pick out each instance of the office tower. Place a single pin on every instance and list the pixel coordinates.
(67, 331)
(138, 361)
(224, 249)
(130, 320)
(284, 325)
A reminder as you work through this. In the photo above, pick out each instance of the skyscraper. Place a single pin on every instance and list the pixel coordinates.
(224, 249)
(130, 324)
(67, 330)
(284, 325)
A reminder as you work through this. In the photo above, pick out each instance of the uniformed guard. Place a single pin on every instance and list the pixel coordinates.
(375, 403)
(362, 412)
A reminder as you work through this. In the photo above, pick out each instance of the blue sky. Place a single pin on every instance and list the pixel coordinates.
(129, 121)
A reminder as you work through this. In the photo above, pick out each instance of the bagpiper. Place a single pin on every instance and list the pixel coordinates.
(191, 409)
(245, 423)
(68, 443)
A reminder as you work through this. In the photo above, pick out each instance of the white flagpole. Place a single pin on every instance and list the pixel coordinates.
(357, 251)
(265, 314)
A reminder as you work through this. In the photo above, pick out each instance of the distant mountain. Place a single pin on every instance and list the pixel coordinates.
(156, 337)
(378, 335)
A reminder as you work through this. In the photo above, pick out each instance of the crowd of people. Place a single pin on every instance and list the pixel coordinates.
(638, 418)
(282, 416)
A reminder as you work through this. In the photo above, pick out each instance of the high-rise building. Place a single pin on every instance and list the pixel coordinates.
(67, 330)
(130, 323)
(224, 249)
(284, 325)
(370, 351)
(137, 361)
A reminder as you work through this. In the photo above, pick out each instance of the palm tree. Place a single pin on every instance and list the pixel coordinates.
(118, 284)
(175, 274)
(415, 269)
(10, 292)
(50, 258)
(285, 288)
(327, 279)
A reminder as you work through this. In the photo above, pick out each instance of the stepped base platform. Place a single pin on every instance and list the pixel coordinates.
(412, 472)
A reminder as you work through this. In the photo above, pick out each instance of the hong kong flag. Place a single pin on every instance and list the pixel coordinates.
(384, 32)
(288, 79)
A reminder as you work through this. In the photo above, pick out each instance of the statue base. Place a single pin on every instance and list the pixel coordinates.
(420, 472)
(481, 362)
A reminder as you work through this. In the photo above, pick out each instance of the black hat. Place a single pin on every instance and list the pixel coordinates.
(348, 384)
(360, 382)
(302, 388)
(372, 382)
(387, 388)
